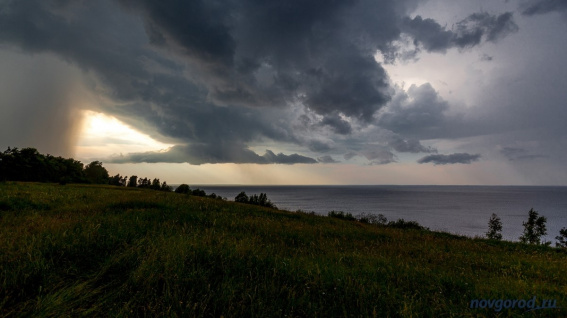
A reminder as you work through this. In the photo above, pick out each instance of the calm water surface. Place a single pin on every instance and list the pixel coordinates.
(457, 209)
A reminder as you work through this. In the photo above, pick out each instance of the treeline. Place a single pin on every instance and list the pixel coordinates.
(534, 230)
(261, 200)
(28, 165)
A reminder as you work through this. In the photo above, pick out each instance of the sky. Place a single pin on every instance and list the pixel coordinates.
(468, 92)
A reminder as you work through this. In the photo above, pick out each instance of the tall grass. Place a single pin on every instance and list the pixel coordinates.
(107, 251)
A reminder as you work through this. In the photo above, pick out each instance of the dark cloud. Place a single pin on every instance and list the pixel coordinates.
(379, 156)
(543, 6)
(215, 77)
(337, 124)
(200, 154)
(419, 113)
(468, 32)
(413, 146)
(463, 158)
(327, 159)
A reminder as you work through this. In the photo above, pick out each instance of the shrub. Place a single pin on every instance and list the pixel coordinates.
(403, 224)
(534, 229)
(494, 228)
(185, 189)
(341, 215)
(199, 193)
(379, 219)
(241, 197)
(261, 200)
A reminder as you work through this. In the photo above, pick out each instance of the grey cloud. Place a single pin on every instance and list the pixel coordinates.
(463, 158)
(468, 32)
(419, 113)
(327, 159)
(519, 154)
(222, 75)
(338, 125)
(411, 145)
(379, 156)
(486, 58)
(350, 155)
(200, 154)
(319, 146)
(544, 6)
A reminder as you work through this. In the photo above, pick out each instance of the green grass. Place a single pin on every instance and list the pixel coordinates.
(79, 250)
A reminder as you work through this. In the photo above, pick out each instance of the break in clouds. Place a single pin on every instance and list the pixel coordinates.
(216, 78)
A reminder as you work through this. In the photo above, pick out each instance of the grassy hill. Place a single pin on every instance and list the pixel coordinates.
(115, 251)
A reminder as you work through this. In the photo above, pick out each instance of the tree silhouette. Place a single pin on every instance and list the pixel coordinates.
(185, 189)
(494, 228)
(133, 182)
(534, 229)
(96, 173)
(241, 197)
(562, 238)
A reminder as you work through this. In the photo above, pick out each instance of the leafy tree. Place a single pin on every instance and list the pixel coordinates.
(494, 228)
(156, 185)
(96, 173)
(144, 183)
(185, 189)
(117, 180)
(242, 198)
(165, 187)
(199, 193)
(534, 228)
(132, 182)
(562, 238)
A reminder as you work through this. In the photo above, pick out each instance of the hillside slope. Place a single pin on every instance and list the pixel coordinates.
(115, 251)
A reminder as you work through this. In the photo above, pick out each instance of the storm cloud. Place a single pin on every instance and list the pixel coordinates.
(199, 154)
(468, 32)
(463, 158)
(544, 6)
(218, 77)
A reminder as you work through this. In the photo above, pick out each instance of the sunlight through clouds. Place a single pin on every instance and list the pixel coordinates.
(103, 136)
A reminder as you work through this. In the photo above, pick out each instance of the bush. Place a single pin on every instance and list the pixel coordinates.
(199, 193)
(261, 200)
(403, 224)
(494, 228)
(241, 197)
(534, 229)
(341, 215)
(379, 219)
(185, 189)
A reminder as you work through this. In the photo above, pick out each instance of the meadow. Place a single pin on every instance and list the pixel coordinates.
(94, 250)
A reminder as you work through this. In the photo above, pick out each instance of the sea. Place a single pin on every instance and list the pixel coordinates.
(462, 210)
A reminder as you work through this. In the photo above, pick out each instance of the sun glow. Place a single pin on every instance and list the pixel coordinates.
(103, 136)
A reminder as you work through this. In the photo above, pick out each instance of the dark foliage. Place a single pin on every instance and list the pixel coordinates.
(199, 193)
(534, 228)
(28, 164)
(562, 238)
(261, 200)
(341, 215)
(96, 173)
(132, 182)
(403, 224)
(184, 189)
(494, 228)
(241, 197)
